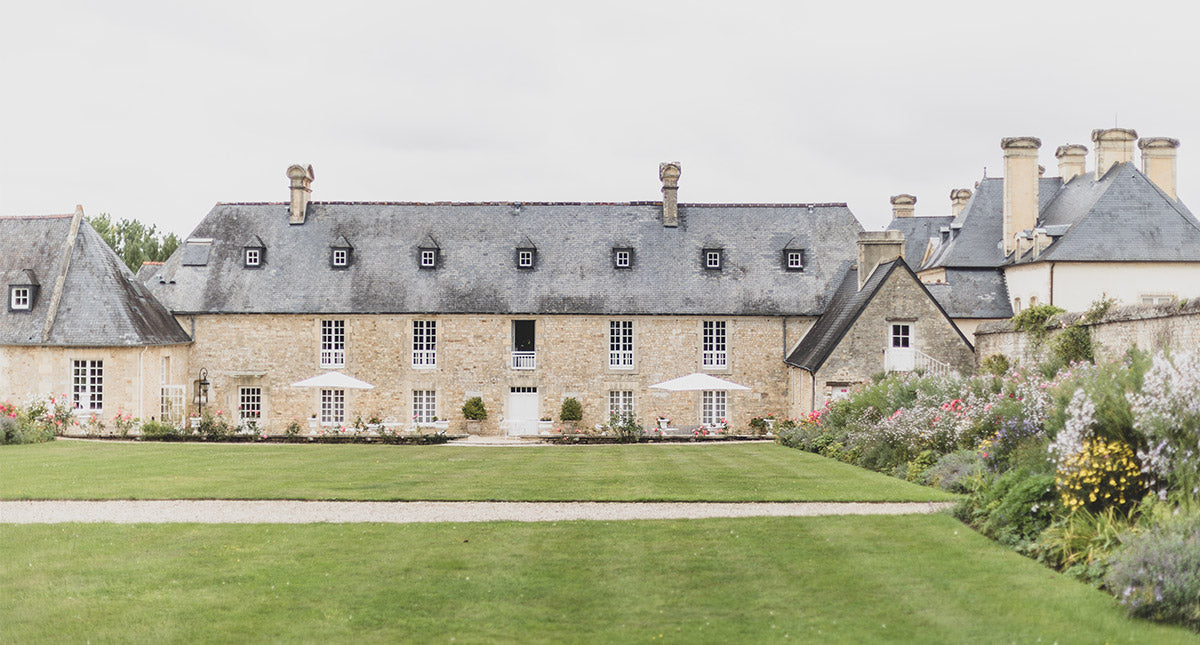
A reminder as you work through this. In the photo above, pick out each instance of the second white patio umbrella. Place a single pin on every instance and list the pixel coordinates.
(334, 380)
(696, 382)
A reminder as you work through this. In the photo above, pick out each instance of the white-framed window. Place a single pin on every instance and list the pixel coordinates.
(424, 343)
(428, 258)
(620, 404)
(424, 406)
(713, 350)
(622, 258)
(333, 406)
(341, 257)
(19, 298)
(1150, 298)
(712, 407)
(794, 259)
(901, 335)
(1016, 305)
(525, 258)
(249, 403)
(253, 257)
(333, 343)
(620, 344)
(712, 258)
(87, 385)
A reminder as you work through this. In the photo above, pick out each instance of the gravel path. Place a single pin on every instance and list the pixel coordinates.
(302, 512)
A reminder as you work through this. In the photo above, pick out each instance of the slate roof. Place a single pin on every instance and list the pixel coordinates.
(917, 232)
(476, 270)
(101, 305)
(844, 310)
(977, 231)
(973, 293)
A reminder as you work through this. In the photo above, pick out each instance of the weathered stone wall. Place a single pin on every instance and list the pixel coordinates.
(1151, 327)
(860, 354)
(133, 376)
(473, 359)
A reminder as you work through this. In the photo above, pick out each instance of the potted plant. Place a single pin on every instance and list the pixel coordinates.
(571, 413)
(474, 412)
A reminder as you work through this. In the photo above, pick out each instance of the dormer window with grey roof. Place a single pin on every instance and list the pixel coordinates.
(793, 260)
(429, 254)
(21, 295)
(622, 257)
(341, 253)
(711, 258)
(526, 256)
(254, 253)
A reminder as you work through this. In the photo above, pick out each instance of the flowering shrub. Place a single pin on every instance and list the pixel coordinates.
(39, 420)
(1157, 574)
(1102, 474)
(1167, 414)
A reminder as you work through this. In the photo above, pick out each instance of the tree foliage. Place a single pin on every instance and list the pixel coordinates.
(133, 241)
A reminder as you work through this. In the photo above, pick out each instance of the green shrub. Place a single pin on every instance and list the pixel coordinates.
(996, 365)
(955, 471)
(159, 431)
(625, 427)
(571, 410)
(1081, 543)
(1073, 345)
(293, 429)
(1012, 508)
(473, 409)
(1035, 321)
(1157, 574)
(215, 428)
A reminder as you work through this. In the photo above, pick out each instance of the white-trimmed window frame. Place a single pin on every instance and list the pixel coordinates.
(794, 259)
(249, 404)
(622, 258)
(424, 344)
(20, 298)
(900, 336)
(333, 407)
(714, 348)
(525, 258)
(620, 404)
(712, 259)
(620, 345)
(424, 406)
(87, 385)
(714, 407)
(333, 343)
(429, 258)
(252, 255)
(341, 258)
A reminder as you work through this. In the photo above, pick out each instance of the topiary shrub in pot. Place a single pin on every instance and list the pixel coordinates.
(474, 412)
(571, 412)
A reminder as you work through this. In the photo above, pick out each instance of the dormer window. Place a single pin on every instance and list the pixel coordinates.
(341, 253)
(526, 258)
(622, 258)
(341, 258)
(429, 258)
(20, 298)
(253, 257)
(712, 259)
(254, 253)
(793, 259)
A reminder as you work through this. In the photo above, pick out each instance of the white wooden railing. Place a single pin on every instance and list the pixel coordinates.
(524, 360)
(907, 359)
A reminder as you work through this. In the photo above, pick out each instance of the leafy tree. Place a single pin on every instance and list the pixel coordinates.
(133, 241)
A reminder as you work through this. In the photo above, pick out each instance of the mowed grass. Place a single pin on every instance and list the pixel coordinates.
(921, 579)
(703, 472)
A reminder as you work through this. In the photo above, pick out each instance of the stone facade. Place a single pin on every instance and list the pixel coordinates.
(1174, 326)
(272, 351)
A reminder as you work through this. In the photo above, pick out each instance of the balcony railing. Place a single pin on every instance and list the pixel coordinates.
(424, 358)
(333, 358)
(620, 360)
(714, 359)
(906, 359)
(524, 360)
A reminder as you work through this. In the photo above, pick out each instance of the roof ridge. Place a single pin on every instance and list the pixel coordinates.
(535, 203)
(67, 216)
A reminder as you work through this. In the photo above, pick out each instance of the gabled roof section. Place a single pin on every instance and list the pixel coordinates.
(973, 293)
(977, 231)
(428, 242)
(88, 296)
(341, 243)
(917, 233)
(844, 310)
(255, 242)
(476, 272)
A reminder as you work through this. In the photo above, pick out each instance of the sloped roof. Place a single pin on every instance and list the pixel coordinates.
(844, 310)
(978, 229)
(477, 273)
(973, 293)
(917, 232)
(101, 303)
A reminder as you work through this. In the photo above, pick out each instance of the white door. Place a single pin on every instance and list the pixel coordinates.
(523, 411)
(899, 356)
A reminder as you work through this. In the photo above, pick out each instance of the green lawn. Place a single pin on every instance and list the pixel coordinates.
(924, 579)
(711, 472)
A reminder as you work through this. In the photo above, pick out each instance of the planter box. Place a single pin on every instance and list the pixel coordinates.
(544, 427)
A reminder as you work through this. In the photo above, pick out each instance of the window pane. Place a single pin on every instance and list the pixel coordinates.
(424, 406)
(333, 406)
(424, 343)
(713, 350)
(333, 343)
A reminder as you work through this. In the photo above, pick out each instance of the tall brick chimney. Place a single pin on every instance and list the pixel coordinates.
(1158, 162)
(1020, 187)
(1113, 146)
(903, 205)
(875, 248)
(301, 188)
(958, 200)
(1072, 161)
(668, 173)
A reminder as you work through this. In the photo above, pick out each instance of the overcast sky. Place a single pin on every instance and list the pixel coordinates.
(158, 110)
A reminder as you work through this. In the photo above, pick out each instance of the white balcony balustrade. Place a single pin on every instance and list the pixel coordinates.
(524, 360)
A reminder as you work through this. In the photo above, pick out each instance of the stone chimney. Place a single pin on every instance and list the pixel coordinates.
(903, 205)
(668, 173)
(1072, 161)
(958, 200)
(1020, 187)
(875, 248)
(1113, 146)
(301, 188)
(1158, 162)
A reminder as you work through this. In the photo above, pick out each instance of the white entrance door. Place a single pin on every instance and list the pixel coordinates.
(523, 411)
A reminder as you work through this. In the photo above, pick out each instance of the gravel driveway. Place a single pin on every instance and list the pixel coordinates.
(301, 512)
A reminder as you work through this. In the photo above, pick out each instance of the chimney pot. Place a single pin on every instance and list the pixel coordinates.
(1072, 161)
(1158, 162)
(903, 205)
(301, 184)
(1020, 187)
(958, 200)
(668, 173)
(1113, 146)
(875, 248)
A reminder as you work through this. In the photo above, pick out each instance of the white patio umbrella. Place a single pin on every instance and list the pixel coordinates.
(696, 382)
(334, 380)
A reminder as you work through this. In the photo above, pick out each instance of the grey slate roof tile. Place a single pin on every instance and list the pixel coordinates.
(917, 233)
(973, 293)
(477, 273)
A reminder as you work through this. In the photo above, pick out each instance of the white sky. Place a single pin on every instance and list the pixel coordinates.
(158, 110)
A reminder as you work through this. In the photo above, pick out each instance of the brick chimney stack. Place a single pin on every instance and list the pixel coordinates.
(1113, 146)
(1020, 187)
(903, 205)
(1158, 162)
(668, 173)
(301, 179)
